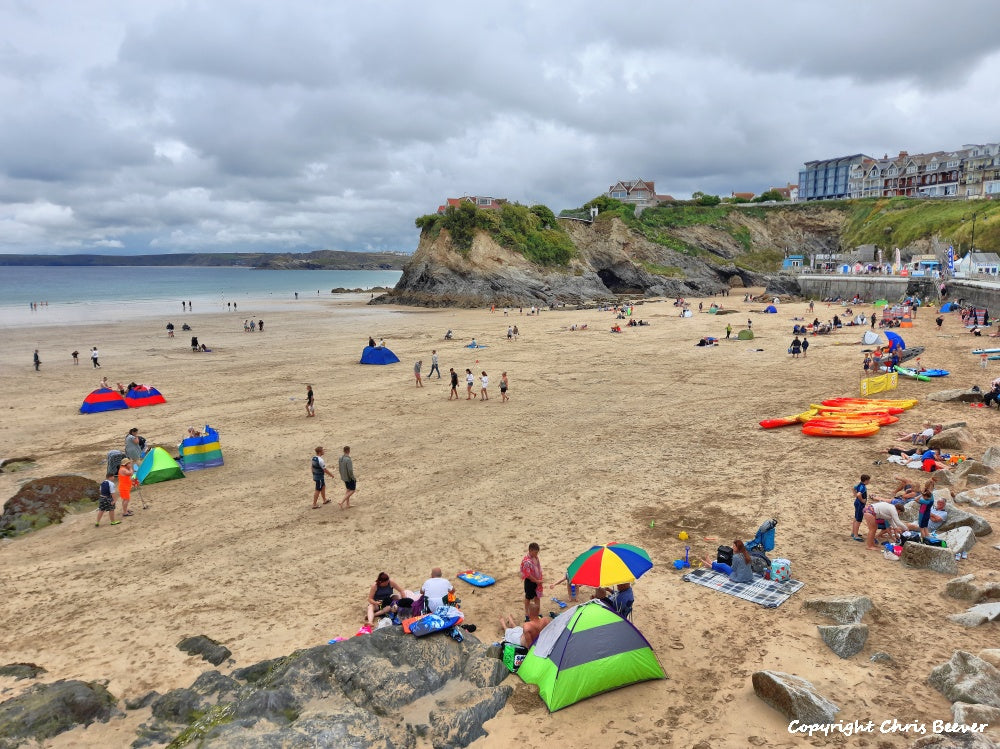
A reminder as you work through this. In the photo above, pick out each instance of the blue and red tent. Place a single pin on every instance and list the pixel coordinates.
(143, 396)
(103, 399)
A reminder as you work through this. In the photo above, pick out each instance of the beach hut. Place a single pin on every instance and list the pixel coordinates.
(378, 355)
(201, 452)
(158, 466)
(143, 395)
(103, 399)
(587, 650)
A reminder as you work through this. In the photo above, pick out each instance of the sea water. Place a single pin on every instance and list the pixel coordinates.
(78, 295)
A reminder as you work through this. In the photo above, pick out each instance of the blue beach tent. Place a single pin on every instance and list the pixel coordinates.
(948, 306)
(895, 341)
(378, 355)
(771, 309)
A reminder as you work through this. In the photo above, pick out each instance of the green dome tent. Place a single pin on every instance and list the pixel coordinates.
(158, 466)
(587, 650)
(745, 335)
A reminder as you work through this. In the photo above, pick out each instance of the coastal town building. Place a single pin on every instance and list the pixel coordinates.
(977, 264)
(640, 192)
(480, 201)
(972, 171)
(788, 192)
(743, 195)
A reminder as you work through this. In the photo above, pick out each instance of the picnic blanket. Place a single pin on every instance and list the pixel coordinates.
(767, 593)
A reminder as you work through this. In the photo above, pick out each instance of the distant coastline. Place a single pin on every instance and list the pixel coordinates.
(318, 260)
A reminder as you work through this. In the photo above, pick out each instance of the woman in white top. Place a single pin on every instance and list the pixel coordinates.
(485, 384)
(470, 380)
(885, 512)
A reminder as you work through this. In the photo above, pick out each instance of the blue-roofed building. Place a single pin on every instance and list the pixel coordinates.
(793, 262)
(829, 178)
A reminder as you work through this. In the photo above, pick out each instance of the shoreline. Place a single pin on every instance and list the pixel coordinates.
(628, 437)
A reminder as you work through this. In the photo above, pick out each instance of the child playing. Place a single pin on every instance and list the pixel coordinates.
(860, 500)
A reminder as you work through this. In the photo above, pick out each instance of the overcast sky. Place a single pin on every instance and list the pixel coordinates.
(221, 126)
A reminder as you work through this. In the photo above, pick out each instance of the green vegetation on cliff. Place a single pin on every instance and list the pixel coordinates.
(897, 222)
(533, 232)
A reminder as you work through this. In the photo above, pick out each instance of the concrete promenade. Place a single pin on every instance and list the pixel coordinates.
(893, 288)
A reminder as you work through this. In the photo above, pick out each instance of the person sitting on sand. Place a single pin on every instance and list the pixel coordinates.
(936, 517)
(905, 489)
(616, 329)
(447, 336)
(740, 570)
(920, 438)
(882, 519)
(525, 634)
(382, 597)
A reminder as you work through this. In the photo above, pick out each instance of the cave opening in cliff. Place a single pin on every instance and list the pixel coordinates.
(616, 284)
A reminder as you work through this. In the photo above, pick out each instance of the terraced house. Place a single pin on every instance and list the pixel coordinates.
(973, 171)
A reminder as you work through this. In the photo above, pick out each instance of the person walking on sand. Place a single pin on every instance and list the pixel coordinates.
(805, 346)
(106, 501)
(434, 365)
(319, 474)
(729, 330)
(454, 384)
(346, 466)
(416, 373)
(310, 402)
(503, 388)
(76, 356)
(531, 574)
(470, 380)
(93, 358)
(485, 383)
(38, 362)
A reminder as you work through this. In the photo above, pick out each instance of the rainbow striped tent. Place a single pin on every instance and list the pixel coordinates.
(143, 396)
(201, 452)
(103, 399)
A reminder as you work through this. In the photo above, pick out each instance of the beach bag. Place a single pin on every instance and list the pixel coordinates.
(781, 570)
(935, 542)
(725, 555)
(908, 537)
(513, 656)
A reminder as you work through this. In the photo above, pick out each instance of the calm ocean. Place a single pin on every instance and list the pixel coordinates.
(88, 294)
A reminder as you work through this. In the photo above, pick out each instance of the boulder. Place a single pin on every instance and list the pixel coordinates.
(793, 697)
(963, 712)
(206, 647)
(967, 467)
(845, 639)
(42, 502)
(957, 439)
(22, 671)
(955, 396)
(959, 540)
(179, 706)
(958, 517)
(137, 703)
(842, 609)
(954, 741)
(935, 558)
(984, 496)
(461, 723)
(979, 614)
(991, 457)
(962, 588)
(275, 705)
(967, 678)
(214, 684)
(991, 655)
(46, 710)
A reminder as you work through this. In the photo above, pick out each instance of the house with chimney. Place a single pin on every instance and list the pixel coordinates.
(639, 192)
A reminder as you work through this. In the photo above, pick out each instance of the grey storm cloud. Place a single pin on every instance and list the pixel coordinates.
(167, 126)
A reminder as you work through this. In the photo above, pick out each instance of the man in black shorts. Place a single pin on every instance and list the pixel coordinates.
(454, 384)
(531, 573)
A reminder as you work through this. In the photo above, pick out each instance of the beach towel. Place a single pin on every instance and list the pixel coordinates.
(768, 593)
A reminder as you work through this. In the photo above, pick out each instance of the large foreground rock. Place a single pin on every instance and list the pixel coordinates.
(984, 496)
(967, 678)
(206, 647)
(959, 540)
(349, 694)
(845, 639)
(956, 439)
(793, 697)
(954, 741)
(956, 396)
(963, 712)
(46, 710)
(842, 609)
(935, 558)
(41, 502)
(958, 517)
(979, 614)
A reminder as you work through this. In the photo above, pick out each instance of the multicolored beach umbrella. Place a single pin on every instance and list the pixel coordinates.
(103, 399)
(612, 564)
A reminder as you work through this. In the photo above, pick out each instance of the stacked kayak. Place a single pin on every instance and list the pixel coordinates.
(845, 417)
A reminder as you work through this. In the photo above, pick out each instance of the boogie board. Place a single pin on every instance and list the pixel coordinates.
(935, 372)
(431, 623)
(986, 351)
(479, 579)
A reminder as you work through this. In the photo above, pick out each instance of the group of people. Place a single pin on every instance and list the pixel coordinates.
(251, 326)
(879, 360)
(135, 452)
(345, 467)
(881, 516)
(799, 347)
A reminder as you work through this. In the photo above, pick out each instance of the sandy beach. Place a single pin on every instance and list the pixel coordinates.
(628, 437)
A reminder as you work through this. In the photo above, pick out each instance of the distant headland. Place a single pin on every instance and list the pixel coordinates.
(318, 260)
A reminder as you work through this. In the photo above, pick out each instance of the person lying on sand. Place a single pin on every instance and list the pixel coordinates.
(525, 634)
(920, 438)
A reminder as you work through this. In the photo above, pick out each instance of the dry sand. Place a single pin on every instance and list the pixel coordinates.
(604, 434)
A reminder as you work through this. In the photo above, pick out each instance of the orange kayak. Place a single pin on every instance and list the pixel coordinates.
(827, 429)
(880, 417)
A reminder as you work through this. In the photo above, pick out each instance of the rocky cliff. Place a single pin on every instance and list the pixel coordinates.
(662, 254)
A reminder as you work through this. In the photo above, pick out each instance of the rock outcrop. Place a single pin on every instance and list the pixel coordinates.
(46, 710)
(793, 697)
(967, 678)
(41, 502)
